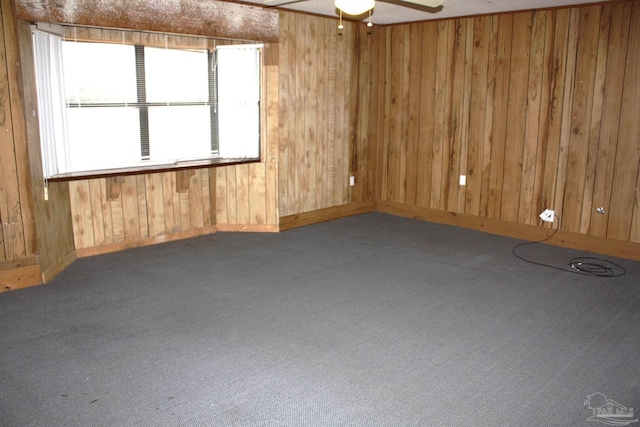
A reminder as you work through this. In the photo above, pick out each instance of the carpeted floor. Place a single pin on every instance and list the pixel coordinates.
(371, 320)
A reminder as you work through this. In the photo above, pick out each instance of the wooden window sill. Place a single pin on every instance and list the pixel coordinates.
(136, 170)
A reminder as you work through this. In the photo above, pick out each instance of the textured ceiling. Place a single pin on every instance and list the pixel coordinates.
(390, 12)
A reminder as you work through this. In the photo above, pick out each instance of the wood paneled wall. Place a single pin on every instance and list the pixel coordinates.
(120, 212)
(18, 261)
(321, 88)
(538, 110)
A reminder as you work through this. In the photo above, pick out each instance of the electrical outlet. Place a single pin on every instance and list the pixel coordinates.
(548, 215)
(352, 181)
(463, 180)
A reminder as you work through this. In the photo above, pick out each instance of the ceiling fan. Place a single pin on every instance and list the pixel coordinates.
(360, 7)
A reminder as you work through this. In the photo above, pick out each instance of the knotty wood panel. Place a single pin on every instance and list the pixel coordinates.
(149, 205)
(17, 231)
(12, 235)
(324, 99)
(538, 109)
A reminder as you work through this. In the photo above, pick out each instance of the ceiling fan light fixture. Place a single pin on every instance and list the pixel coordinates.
(355, 7)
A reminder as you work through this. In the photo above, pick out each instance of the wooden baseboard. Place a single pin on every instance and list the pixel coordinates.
(583, 242)
(58, 267)
(327, 214)
(253, 228)
(21, 276)
(147, 241)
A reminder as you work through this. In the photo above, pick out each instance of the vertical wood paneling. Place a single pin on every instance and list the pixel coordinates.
(324, 96)
(242, 194)
(156, 217)
(142, 206)
(542, 162)
(271, 195)
(329, 107)
(221, 196)
(82, 217)
(554, 119)
(516, 115)
(257, 184)
(464, 137)
(502, 70)
(477, 113)
(596, 120)
(488, 136)
(149, 205)
(398, 62)
(567, 105)
(527, 211)
(292, 103)
(457, 105)
(539, 109)
(623, 223)
(310, 115)
(581, 109)
(130, 208)
(413, 103)
(612, 102)
(425, 116)
(439, 148)
(15, 211)
(97, 211)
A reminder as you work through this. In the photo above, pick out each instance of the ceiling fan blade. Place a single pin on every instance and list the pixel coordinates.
(426, 3)
(284, 3)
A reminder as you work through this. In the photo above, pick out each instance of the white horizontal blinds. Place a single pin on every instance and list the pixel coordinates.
(50, 89)
(213, 103)
(238, 72)
(143, 109)
(177, 93)
(101, 96)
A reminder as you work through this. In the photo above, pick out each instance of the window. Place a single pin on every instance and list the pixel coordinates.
(130, 105)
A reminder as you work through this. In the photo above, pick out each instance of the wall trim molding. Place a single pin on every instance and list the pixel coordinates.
(321, 215)
(58, 267)
(146, 241)
(20, 276)
(252, 228)
(567, 239)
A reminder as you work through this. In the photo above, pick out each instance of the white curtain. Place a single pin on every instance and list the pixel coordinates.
(239, 100)
(51, 96)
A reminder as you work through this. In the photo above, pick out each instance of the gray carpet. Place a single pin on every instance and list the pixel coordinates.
(365, 321)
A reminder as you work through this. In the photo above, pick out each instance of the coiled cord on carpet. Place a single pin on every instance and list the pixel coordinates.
(589, 266)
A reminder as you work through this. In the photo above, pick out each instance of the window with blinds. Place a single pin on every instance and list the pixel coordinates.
(129, 104)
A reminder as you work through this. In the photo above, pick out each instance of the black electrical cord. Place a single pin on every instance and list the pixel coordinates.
(589, 266)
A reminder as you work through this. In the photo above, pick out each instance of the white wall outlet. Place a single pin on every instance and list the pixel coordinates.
(463, 180)
(352, 181)
(548, 215)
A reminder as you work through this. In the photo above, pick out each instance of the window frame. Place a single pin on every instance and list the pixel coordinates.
(141, 39)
